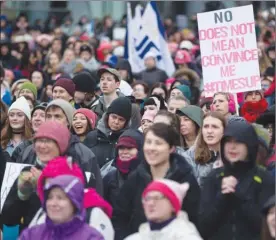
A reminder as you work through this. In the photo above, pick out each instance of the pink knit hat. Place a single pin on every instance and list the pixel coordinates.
(89, 114)
(172, 190)
(182, 56)
(55, 131)
(58, 166)
(148, 115)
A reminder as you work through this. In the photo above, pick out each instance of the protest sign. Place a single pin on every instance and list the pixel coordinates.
(229, 53)
(11, 174)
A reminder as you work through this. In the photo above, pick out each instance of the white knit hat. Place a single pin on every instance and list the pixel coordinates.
(22, 105)
(173, 191)
(186, 44)
(150, 54)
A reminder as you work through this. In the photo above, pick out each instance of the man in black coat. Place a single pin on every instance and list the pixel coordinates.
(114, 122)
(233, 196)
(152, 74)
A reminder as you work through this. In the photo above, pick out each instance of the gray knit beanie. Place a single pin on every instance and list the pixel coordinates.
(66, 107)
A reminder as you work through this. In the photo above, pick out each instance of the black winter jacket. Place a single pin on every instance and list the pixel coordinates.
(82, 155)
(114, 179)
(152, 76)
(102, 142)
(128, 211)
(236, 215)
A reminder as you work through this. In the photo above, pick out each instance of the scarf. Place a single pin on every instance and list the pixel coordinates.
(124, 166)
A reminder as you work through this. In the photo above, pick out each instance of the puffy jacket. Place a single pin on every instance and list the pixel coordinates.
(79, 153)
(128, 210)
(114, 179)
(152, 76)
(179, 229)
(17, 153)
(236, 215)
(102, 142)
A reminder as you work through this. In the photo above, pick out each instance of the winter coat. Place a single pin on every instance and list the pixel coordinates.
(236, 215)
(201, 171)
(179, 229)
(80, 153)
(91, 64)
(252, 110)
(102, 142)
(152, 76)
(128, 210)
(20, 149)
(95, 217)
(72, 230)
(114, 179)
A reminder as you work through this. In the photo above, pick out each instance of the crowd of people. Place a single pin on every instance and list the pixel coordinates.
(116, 154)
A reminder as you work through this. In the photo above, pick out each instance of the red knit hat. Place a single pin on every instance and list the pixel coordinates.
(172, 190)
(93, 199)
(126, 141)
(89, 114)
(54, 131)
(67, 84)
(58, 166)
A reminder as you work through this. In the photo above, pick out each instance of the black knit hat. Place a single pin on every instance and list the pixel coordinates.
(84, 82)
(122, 107)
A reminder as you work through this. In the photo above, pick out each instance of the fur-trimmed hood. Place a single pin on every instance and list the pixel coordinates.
(192, 75)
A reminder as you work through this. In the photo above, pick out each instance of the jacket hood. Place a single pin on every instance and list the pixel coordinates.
(102, 127)
(139, 138)
(242, 132)
(72, 187)
(192, 75)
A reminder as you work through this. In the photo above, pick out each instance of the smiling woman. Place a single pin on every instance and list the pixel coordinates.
(17, 127)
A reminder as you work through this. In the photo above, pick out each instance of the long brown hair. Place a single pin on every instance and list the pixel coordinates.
(6, 132)
(202, 152)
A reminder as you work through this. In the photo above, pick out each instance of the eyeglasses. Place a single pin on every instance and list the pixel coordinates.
(153, 198)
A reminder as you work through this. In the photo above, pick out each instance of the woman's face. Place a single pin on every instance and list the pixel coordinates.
(176, 92)
(69, 56)
(187, 126)
(265, 84)
(57, 46)
(253, 96)
(270, 129)
(46, 149)
(146, 124)
(157, 207)
(160, 92)
(212, 131)
(151, 108)
(59, 207)
(270, 219)
(139, 92)
(37, 79)
(37, 119)
(235, 151)
(33, 59)
(53, 59)
(27, 93)
(16, 119)
(157, 151)
(125, 154)
(220, 104)
(80, 124)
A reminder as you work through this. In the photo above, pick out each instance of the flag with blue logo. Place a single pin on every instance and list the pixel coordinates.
(146, 33)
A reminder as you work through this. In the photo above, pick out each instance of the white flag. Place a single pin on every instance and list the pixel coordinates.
(146, 33)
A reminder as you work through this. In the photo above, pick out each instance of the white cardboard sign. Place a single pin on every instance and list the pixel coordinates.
(229, 53)
(11, 174)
